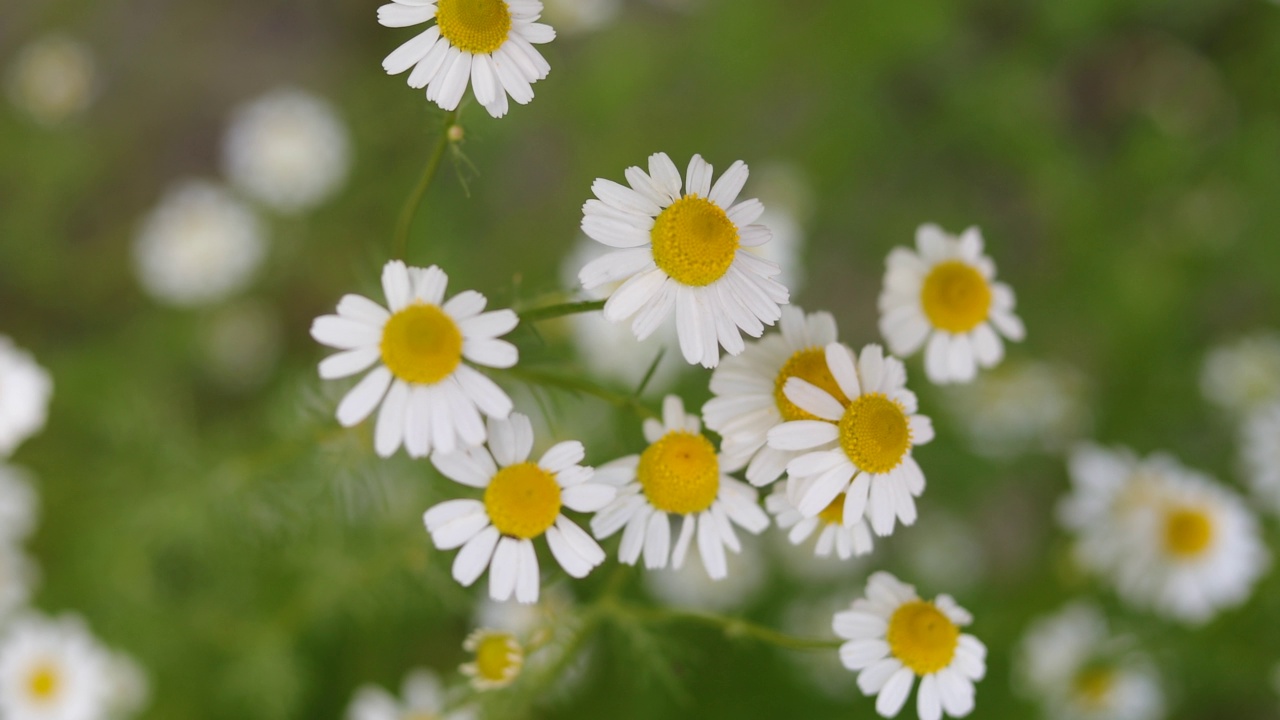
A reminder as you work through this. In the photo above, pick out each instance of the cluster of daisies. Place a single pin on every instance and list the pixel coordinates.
(50, 667)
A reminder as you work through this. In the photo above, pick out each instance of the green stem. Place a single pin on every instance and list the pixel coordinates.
(580, 384)
(732, 627)
(411, 205)
(554, 311)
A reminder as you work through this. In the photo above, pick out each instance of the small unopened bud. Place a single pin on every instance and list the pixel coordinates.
(456, 133)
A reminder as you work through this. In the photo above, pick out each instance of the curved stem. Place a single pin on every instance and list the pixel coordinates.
(554, 311)
(732, 627)
(401, 243)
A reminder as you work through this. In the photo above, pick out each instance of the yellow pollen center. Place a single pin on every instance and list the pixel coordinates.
(1093, 686)
(809, 365)
(874, 433)
(922, 637)
(694, 241)
(955, 296)
(475, 26)
(44, 683)
(833, 513)
(421, 344)
(680, 473)
(1187, 532)
(497, 657)
(522, 500)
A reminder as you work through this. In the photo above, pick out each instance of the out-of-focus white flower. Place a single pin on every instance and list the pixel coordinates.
(422, 697)
(573, 17)
(787, 197)
(25, 388)
(128, 691)
(691, 587)
(1022, 406)
(1260, 450)
(1243, 375)
(242, 344)
(17, 575)
(287, 149)
(19, 505)
(811, 618)
(944, 552)
(499, 658)
(1076, 670)
(53, 669)
(199, 245)
(52, 78)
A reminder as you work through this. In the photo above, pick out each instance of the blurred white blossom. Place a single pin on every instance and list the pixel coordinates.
(25, 388)
(1244, 374)
(52, 78)
(1022, 406)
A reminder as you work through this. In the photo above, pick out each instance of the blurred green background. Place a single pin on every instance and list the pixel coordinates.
(1121, 156)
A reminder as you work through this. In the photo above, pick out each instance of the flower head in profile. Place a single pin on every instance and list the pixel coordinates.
(522, 501)
(487, 44)
(682, 249)
(25, 389)
(859, 441)
(894, 637)
(53, 669)
(431, 400)
(422, 697)
(833, 535)
(678, 475)
(748, 388)
(499, 657)
(1169, 538)
(945, 294)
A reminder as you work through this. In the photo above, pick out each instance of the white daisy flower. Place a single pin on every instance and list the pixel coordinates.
(833, 534)
(1169, 538)
(860, 442)
(287, 149)
(17, 575)
(499, 658)
(421, 698)
(1260, 451)
(678, 474)
(19, 505)
(52, 79)
(1021, 407)
(522, 501)
(1077, 670)
(894, 636)
(25, 388)
(53, 669)
(198, 246)
(683, 251)
(749, 401)
(435, 400)
(1243, 375)
(945, 293)
(485, 43)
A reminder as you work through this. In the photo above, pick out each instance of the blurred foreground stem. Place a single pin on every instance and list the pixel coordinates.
(731, 626)
(554, 311)
(410, 209)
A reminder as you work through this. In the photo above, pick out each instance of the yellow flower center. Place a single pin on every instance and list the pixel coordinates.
(1187, 532)
(680, 473)
(522, 500)
(44, 682)
(694, 241)
(922, 637)
(874, 433)
(1093, 686)
(955, 296)
(498, 657)
(809, 365)
(475, 26)
(421, 344)
(833, 513)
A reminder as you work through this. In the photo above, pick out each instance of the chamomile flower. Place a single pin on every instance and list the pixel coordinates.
(749, 401)
(945, 293)
(1260, 448)
(1167, 537)
(25, 388)
(53, 79)
(499, 657)
(422, 697)
(894, 637)
(683, 251)
(678, 474)
(833, 534)
(1243, 375)
(522, 501)
(431, 400)
(487, 44)
(18, 505)
(287, 149)
(859, 442)
(1077, 670)
(53, 669)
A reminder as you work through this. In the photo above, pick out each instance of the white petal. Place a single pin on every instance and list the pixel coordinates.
(802, 434)
(698, 178)
(392, 417)
(485, 393)
(411, 52)
(359, 307)
(484, 80)
(687, 525)
(657, 541)
(633, 295)
(472, 467)
(474, 557)
(872, 680)
(937, 358)
(928, 702)
(465, 305)
(364, 397)
(859, 654)
(349, 362)
(824, 490)
(511, 440)
(527, 579)
(345, 333)
(710, 547)
(588, 497)
(894, 693)
(726, 189)
(987, 347)
(871, 367)
(633, 536)
(564, 554)
(503, 569)
(841, 364)
(813, 399)
(562, 456)
(396, 286)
